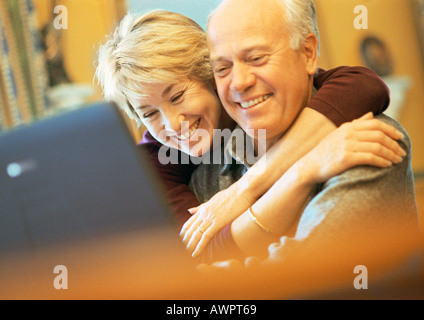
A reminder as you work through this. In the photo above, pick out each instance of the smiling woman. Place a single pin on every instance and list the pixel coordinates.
(164, 84)
(177, 114)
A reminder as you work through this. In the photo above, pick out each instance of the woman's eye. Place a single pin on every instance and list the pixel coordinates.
(177, 98)
(148, 115)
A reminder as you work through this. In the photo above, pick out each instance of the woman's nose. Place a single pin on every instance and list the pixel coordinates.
(174, 122)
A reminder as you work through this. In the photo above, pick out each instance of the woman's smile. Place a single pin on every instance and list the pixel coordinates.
(190, 132)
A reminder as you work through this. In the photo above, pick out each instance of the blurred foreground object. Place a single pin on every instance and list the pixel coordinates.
(77, 192)
(115, 268)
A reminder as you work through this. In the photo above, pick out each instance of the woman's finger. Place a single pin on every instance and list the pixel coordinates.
(365, 158)
(187, 225)
(381, 138)
(375, 124)
(198, 225)
(197, 235)
(193, 228)
(379, 150)
(204, 240)
(194, 240)
(193, 211)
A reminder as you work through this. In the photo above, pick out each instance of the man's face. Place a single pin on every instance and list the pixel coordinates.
(262, 82)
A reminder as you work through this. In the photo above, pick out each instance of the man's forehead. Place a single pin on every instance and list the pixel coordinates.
(254, 11)
(244, 26)
(234, 7)
(242, 41)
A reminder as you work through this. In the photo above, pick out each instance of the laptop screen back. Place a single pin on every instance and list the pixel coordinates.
(72, 177)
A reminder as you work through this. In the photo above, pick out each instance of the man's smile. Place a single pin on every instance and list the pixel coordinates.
(255, 102)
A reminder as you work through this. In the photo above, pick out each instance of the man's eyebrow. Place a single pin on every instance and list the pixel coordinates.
(218, 59)
(245, 51)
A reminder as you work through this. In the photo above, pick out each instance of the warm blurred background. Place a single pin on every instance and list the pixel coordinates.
(393, 46)
(45, 70)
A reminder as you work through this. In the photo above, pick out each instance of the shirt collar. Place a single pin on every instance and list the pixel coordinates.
(238, 146)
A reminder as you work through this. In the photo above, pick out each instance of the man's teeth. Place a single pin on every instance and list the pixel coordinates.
(188, 134)
(252, 103)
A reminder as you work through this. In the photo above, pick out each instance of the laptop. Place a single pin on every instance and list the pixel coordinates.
(77, 180)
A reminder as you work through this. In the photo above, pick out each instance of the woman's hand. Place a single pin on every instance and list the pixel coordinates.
(210, 217)
(366, 141)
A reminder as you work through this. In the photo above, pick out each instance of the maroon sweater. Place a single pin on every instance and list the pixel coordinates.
(344, 94)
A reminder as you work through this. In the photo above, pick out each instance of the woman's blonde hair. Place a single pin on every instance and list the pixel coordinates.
(156, 47)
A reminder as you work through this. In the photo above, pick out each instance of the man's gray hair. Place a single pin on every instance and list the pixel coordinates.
(301, 19)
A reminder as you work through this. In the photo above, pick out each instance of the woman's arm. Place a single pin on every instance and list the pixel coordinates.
(175, 180)
(337, 100)
(347, 93)
(354, 144)
(344, 94)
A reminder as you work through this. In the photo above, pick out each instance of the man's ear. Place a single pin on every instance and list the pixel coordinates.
(310, 51)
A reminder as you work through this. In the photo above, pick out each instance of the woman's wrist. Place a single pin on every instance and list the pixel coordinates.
(247, 188)
(304, 172)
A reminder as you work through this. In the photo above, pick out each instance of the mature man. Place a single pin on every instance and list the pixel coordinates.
(264, 66)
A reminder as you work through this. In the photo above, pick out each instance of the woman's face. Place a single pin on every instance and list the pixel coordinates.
(182, 115)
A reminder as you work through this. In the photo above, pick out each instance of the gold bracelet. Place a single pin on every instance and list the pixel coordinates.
(256, 221)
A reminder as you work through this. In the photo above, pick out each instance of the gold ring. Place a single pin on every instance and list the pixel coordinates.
(201, 230)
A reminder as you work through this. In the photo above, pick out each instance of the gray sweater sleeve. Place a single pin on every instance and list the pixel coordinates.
(358, 202)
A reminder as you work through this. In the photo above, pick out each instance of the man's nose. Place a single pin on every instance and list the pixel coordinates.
(242, 78)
